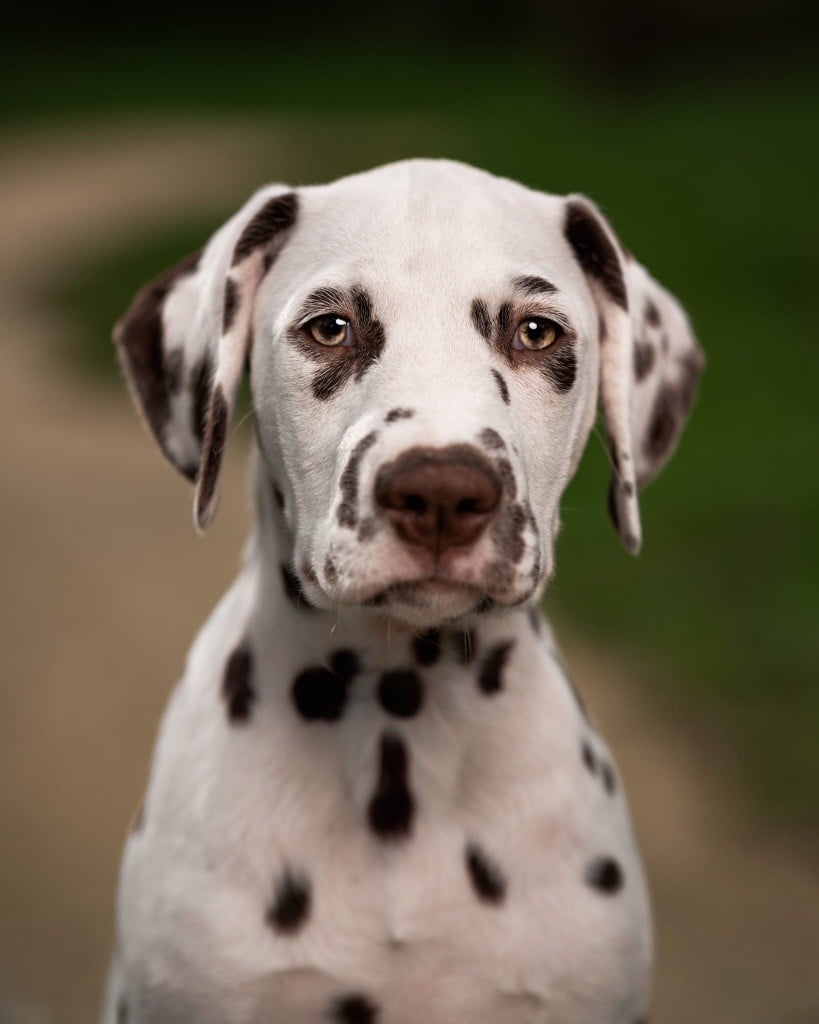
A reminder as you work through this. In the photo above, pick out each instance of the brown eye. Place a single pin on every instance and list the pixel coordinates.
(536, 333)
(330, 329)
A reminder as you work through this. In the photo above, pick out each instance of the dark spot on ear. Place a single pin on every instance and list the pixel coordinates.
(201, 378)
(502, 386)
(663, 426)
(174, 365)
(330, 570)
(229, 305)
(214, 446)
(392, 806)
(139, 339)
(355, 1009)
(491, 438)
(319, 694)
(398, 414)
(427, 647)
(237, 687)
(293, 590)
(465, 645)
(487, 879)
(481, 320)
(348, 485)
(490, 675)
(589, 758)
(560, 368)
(401, 693)
(605, 875)
(345, 664)
(533, 285)
(277, 214)
(609, 780)
(652, 314)
(291, 903)
(594, 250)
(644, 356)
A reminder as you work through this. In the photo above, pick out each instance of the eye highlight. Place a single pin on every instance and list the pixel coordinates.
(330, 330)
(536, 333)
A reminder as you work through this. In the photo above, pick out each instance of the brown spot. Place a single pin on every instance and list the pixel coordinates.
(534, 285)
(491, 438)
(490, 676)
(392, 806)
(560, 367)
(174, 365)
(229, 304)
(237, 688)
(398, 414)
(368, 528)
(507, 533)
(507, 475)
(503, 323)
(481, 320)
(502, 386)
(644, 356)
(652, 314)
(277, 214)
(214, 446)
(348, 485)
(486, 877)
(594, 250)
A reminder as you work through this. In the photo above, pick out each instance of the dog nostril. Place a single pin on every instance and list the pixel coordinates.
(467, 507)
(415, 503)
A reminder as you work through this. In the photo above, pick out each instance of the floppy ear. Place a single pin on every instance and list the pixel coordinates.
(185, 339)
(649, 362)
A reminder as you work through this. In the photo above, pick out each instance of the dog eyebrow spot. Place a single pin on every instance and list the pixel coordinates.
(398, 414)
(326, 299)
(392, 806)
(534, 285)
(502, 386)
(277, 214)
(486, 877)
(481, 320)
(348, 510)
(594, 250)
(237, 689)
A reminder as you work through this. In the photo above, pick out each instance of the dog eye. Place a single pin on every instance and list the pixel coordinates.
(330, 329)
(536, 333)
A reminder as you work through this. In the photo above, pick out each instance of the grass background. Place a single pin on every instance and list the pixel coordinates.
(707, 171)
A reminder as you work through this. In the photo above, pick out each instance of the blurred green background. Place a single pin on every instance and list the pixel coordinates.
(695, 128)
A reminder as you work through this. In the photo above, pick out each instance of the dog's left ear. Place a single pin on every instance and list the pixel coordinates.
(649, 362)
(185, 339)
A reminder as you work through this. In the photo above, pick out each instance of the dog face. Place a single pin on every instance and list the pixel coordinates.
(427, 345)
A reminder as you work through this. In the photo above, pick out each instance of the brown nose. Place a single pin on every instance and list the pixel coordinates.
(438, 498)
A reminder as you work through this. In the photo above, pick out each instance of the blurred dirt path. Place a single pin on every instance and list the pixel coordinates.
(104, 584)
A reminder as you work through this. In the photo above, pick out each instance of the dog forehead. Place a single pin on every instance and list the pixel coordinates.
(432, 211)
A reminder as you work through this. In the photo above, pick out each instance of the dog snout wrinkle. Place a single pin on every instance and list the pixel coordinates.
(439, 498)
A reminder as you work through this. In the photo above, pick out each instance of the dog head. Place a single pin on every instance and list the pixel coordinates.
(427, 347)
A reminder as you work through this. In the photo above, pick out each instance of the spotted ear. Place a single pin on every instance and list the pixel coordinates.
(185, 339)
(649, 362)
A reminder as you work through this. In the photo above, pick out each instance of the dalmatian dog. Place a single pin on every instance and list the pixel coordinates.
(376, 798)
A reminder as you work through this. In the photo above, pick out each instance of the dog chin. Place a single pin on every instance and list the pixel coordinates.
(428, 602)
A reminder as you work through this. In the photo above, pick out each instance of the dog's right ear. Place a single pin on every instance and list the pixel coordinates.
(184, 341)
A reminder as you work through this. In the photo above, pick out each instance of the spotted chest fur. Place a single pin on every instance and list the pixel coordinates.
(352, 825)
